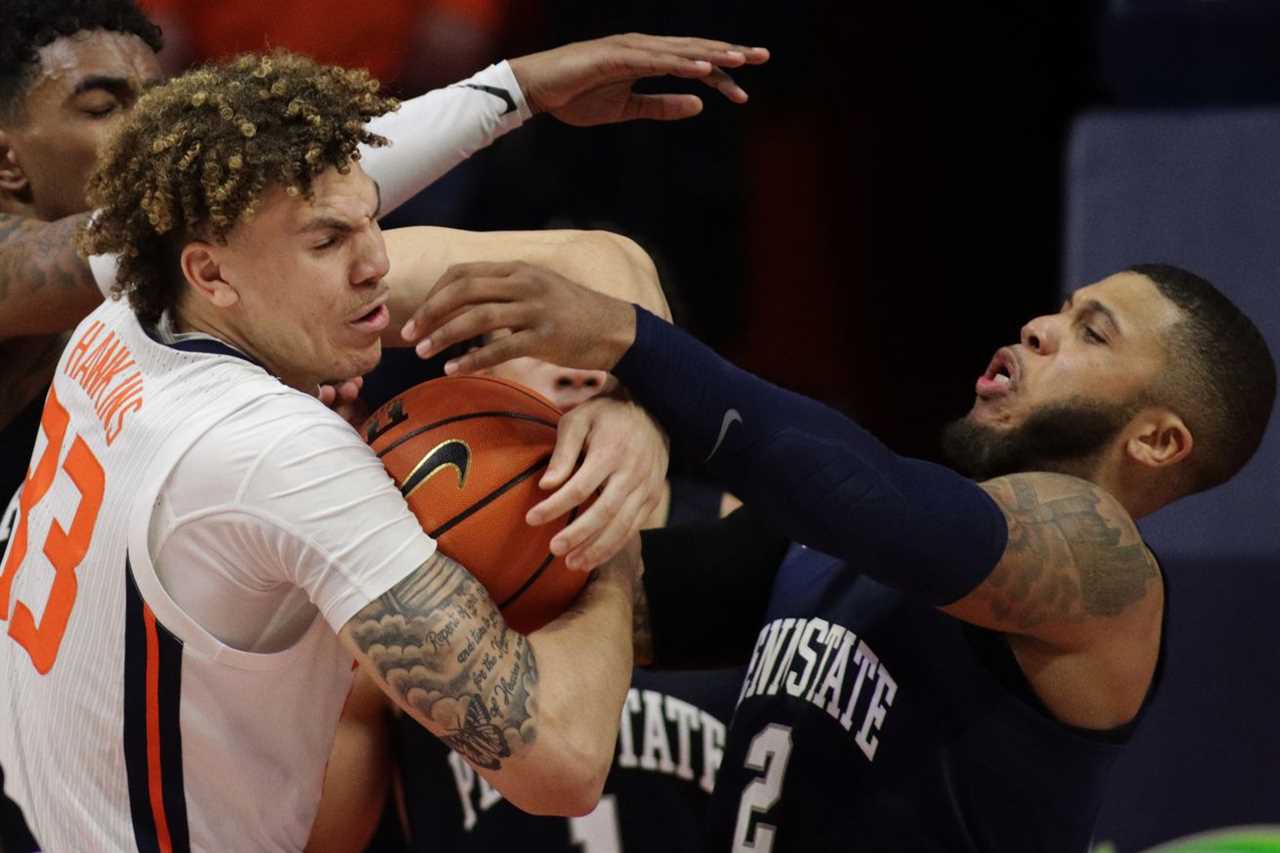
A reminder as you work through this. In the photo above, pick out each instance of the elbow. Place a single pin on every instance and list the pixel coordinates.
(570, 778)
(585, 805)
(588, 783)
(567, 790)
(639, 282)
(582, 794)
(581, 774)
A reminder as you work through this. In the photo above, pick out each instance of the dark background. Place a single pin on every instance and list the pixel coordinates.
(869, 228)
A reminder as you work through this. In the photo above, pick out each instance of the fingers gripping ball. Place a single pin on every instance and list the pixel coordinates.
(467, 453)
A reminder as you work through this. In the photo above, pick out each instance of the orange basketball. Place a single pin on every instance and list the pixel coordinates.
(467, 453)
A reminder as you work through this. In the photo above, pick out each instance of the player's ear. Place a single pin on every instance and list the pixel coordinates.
(200, 267)
(13, 179)
(1160, 439)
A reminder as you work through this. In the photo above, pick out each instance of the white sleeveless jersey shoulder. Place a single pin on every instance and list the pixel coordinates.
(129, 721)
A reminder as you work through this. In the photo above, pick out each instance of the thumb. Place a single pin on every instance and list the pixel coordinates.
(571, 437)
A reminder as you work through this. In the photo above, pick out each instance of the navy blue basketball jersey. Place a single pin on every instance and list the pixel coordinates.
(669, 748)
(692, 501)
(871, 722)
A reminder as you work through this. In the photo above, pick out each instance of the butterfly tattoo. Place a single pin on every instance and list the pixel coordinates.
(477, 739)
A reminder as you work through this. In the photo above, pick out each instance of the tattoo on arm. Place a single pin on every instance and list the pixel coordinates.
(440, 643)
(37, 257)
(1073, 554)
(37, 254)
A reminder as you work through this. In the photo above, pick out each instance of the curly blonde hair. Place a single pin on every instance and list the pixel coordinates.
(196, 155)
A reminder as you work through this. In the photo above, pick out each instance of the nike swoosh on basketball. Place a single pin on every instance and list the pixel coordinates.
(729, 417)
(453, 453)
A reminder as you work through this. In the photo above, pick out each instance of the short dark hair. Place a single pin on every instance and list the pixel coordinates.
(31, 24)
(1219, 377)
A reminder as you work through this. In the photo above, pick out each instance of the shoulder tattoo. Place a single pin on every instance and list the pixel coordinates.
(1073, 552)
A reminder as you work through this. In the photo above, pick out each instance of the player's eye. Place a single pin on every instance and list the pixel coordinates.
(326, 243)
(97, 103)
(100, 110)
(1092, 337)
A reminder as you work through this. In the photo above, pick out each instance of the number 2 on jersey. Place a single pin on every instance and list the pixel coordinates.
(769, 753)
(65, 549)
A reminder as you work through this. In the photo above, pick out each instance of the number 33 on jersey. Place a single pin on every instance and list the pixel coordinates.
(63, 548)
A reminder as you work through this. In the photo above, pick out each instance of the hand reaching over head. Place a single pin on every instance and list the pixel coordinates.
(589, 83)
(550, 317)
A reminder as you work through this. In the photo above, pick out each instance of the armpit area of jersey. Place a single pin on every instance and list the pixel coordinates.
(708, 585)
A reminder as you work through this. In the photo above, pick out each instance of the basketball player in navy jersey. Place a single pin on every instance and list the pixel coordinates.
(941, 664)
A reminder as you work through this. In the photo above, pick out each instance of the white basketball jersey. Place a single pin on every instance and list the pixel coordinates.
(124, 725)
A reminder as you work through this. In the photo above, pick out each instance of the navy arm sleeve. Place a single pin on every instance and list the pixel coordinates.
(820, 479)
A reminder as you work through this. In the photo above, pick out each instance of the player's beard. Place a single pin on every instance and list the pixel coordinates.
(1066, 438)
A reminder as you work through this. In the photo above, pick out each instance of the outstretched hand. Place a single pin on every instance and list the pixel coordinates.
(589, 83)
(549, 316)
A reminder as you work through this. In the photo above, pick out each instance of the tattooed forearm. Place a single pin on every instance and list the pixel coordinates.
(1073, 554)
(440, 643)
(45, 285)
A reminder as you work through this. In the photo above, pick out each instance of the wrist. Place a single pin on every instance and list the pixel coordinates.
(520, 68)
(620, 334)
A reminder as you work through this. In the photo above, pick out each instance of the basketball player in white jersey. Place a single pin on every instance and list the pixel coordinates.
(202, 547)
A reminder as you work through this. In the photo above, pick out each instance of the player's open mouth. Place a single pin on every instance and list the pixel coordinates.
(1001, 376)
(373, 320)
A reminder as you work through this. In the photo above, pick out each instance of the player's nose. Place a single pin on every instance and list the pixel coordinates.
(574, 387)
(1040, 335)
(372, 263)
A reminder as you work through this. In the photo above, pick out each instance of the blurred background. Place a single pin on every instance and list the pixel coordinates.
(908, 184)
